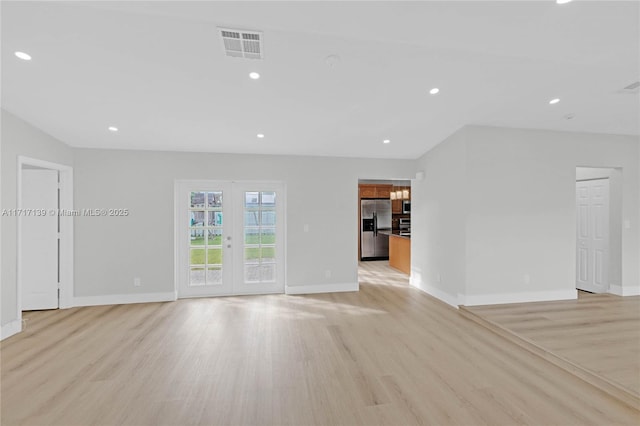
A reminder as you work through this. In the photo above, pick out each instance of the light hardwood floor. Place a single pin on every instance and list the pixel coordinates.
(598, 332)
(388, 354)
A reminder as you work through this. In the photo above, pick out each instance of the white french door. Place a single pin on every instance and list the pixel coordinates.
(229, 237)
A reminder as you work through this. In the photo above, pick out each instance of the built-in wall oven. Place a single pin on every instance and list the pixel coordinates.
(404, 224)
(406, 207)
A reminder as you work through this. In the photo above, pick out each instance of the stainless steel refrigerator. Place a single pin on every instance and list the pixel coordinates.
(376, 217)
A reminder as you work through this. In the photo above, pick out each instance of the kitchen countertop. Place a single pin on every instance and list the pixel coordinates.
(395, 233)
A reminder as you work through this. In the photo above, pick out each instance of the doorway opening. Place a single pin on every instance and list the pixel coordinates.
(230, 238)
(384, 226)
(598, 229)
(44, 235)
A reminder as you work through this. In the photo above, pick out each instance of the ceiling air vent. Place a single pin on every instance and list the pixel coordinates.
(241, 43)
(631, 89)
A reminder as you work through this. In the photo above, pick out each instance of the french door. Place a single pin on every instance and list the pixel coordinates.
(229, 237)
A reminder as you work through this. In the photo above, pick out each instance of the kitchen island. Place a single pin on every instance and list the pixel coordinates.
(400, 252)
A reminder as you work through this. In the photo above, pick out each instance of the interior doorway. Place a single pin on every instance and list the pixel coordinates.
(598, 229)
(44, 235)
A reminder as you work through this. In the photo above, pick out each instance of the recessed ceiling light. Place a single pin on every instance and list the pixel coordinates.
(254, 75)
(434, 91)
(386, 141)
(260, 135)
(554, 101)
(113, 129)
(563, 1)
(23, 56)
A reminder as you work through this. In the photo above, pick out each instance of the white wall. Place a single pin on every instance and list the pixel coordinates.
(20, 138)
(519, 200)
(438, 221)
(110, 252)
(521, 218)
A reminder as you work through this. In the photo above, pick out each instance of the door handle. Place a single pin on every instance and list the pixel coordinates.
(228, 245)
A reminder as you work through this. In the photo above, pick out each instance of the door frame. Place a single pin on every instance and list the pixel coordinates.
(65, 262)
(179, 186)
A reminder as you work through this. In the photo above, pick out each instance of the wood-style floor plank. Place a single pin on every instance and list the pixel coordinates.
(388, 354)
(599, 332)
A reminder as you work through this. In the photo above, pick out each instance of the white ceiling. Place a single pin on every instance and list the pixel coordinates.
(157, 71)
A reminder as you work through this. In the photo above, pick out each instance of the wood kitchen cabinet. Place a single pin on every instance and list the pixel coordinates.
(374, 191)
(400, 253)
(367, 191)
(383, 191)
(396, 206)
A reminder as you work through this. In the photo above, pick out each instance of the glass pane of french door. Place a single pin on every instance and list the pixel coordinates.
(259, 236)
(204, 222)
(259, 265)
(205, 238)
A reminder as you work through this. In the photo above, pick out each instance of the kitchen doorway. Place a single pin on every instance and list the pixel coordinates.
(384, 224)
(230, 238)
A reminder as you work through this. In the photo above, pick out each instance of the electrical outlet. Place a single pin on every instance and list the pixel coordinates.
(136, 282)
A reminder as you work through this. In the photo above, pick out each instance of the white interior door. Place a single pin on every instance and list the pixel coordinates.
(230, 238)
(592, 255)
(39, 239)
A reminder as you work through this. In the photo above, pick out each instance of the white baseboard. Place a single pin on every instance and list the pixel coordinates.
(439, 294)
(522, 297)
(624, 291)
(322, 288)
(11, 328)
(123, 299)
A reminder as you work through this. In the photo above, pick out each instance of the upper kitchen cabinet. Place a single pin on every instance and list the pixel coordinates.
(383, 191)
(374, 191)
(367, 191)
(404, 193)
(396, 206)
